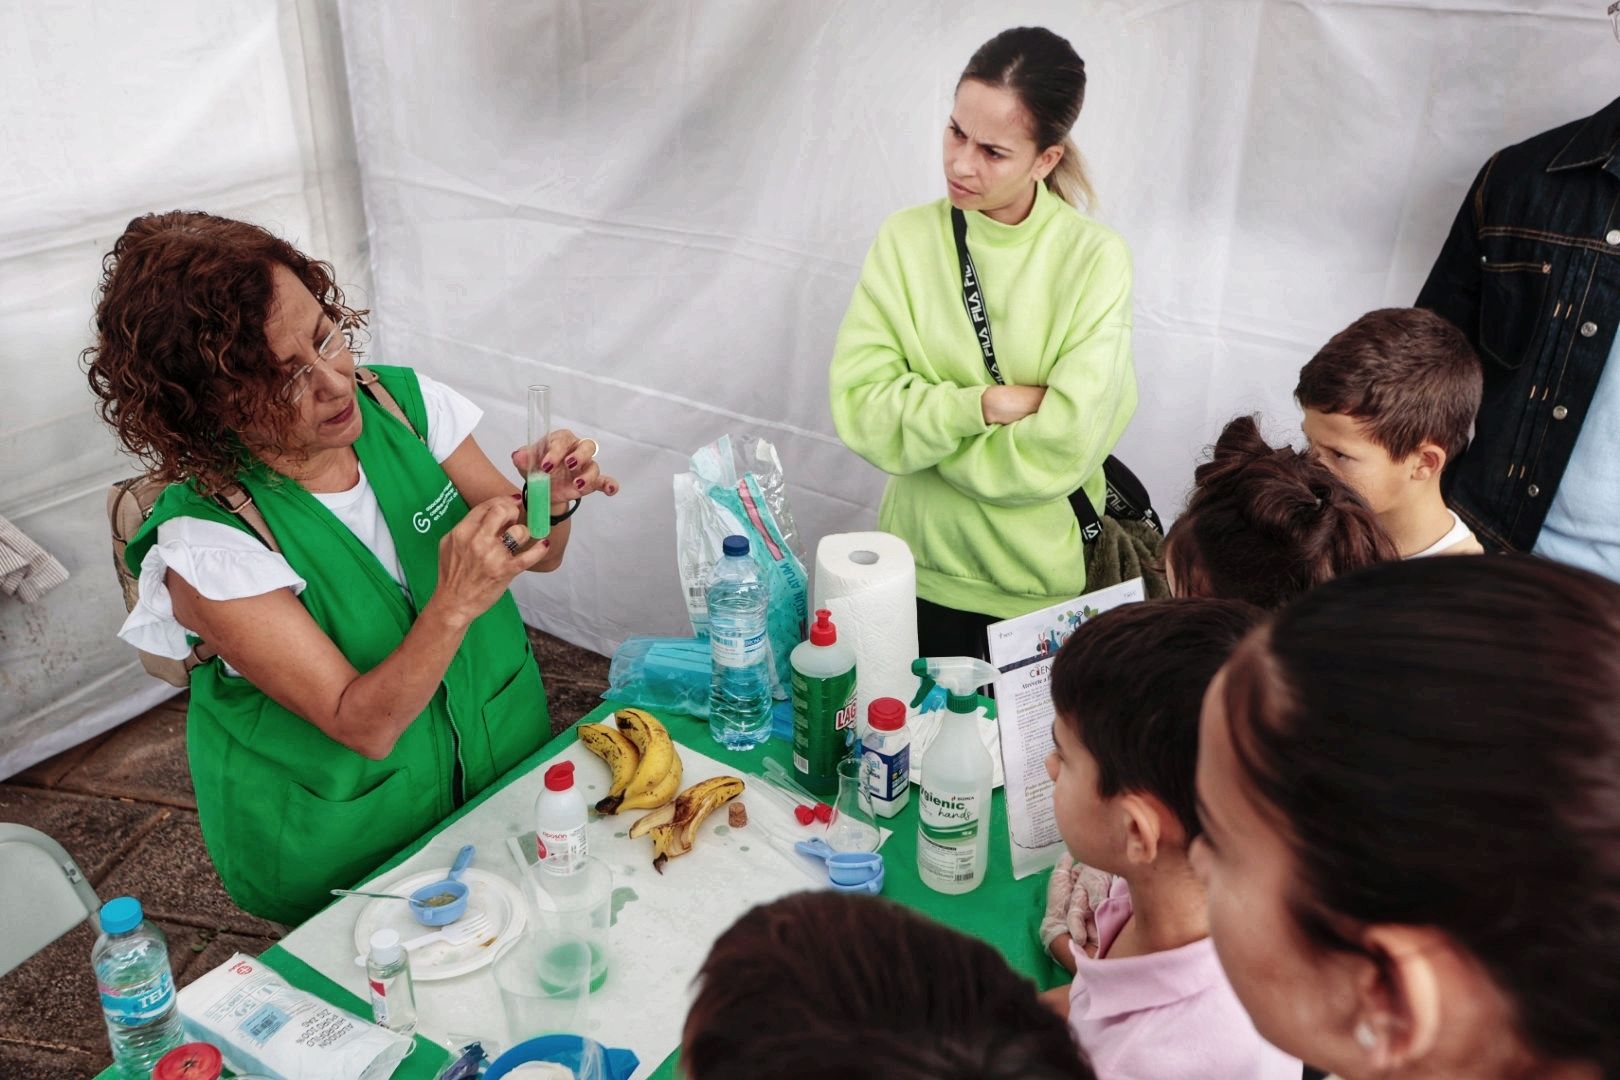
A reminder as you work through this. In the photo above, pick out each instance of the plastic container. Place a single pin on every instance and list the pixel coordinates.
(823, 705)
(886, 755)
(388, 977)
(958, 774)
(738, 602)
(131, 962)
(560, 817)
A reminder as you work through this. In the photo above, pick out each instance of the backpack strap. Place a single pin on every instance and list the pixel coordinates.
(236, 499)
(373, 385)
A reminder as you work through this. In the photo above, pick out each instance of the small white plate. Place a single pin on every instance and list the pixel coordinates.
(490, 893)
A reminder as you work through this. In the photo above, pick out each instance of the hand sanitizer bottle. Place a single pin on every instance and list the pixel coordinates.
(953, 800)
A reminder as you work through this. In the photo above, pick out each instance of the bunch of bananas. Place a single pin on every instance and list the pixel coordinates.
(646, 768)
(647, 775)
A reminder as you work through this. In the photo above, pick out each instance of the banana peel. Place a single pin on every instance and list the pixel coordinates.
(674, 837)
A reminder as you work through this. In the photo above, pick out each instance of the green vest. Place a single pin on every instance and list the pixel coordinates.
(287, 812)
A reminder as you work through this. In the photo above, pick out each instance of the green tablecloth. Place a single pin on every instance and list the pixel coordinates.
(1001, 911)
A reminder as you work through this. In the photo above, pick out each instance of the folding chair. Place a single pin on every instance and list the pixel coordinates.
(43, 893)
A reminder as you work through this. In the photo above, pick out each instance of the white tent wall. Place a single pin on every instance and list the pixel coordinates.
(238, 107)
(661, 210)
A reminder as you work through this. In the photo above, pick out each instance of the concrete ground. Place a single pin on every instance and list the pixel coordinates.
(123, 806)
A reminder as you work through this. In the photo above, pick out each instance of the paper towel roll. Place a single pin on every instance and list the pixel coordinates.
(868, 580)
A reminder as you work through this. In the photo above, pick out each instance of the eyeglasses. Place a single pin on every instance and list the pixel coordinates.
(339, 340)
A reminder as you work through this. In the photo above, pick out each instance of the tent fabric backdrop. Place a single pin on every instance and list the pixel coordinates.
(661, 210)
(111, 111)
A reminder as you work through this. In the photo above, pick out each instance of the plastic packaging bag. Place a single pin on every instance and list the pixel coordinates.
(736, 487)
(663, 674)
(263, 1025)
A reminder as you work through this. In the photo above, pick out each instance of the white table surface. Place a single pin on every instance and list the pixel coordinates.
(662, 933)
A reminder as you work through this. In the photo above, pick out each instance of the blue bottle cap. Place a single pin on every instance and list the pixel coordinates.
(735, 545)
(121, 915)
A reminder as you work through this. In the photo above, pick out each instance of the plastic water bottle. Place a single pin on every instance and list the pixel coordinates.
(131, 961)
(738, 600)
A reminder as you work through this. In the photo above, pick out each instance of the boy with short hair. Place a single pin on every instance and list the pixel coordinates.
(1151, 1000)
(1389, 401)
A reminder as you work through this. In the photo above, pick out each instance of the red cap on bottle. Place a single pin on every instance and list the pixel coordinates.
(886, 714)
(192, 1061)
(560, 777)
(823, 632)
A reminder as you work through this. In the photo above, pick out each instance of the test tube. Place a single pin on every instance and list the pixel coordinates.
(537, 484)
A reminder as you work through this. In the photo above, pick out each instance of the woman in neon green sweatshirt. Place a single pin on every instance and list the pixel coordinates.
(982, 471)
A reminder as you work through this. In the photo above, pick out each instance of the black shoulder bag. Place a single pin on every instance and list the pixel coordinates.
(1127, 497)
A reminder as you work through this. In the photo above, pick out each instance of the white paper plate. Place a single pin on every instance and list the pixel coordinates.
(490, 893)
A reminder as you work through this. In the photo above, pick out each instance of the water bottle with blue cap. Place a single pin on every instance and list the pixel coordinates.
(131, 962)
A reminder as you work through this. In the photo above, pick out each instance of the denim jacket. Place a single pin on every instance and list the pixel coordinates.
(1531, 273)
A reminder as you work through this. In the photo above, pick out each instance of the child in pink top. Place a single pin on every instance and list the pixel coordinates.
(1149, 1000)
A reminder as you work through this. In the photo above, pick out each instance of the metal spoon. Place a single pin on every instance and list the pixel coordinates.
(377, 895)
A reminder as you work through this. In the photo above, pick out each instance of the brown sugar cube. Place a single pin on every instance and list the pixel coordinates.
(737, 814)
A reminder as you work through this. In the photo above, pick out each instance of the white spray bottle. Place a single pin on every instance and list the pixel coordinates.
(953, 806)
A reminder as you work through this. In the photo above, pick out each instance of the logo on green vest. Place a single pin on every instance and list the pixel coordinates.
(423, 520)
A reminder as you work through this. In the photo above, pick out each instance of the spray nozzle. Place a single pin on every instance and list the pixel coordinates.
(959, 677)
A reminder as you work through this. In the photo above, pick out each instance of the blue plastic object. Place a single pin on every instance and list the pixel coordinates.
(444, 914)
(849, 871)
(735, 545)
(569, 1050)
(122, 915)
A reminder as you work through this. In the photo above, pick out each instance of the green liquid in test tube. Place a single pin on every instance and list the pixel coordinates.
(537, 485)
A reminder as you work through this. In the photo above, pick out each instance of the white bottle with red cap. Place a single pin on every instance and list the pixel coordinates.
(559, 815)
(886, 756)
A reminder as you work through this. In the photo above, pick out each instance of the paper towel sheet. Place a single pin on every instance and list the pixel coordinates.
(868, 580)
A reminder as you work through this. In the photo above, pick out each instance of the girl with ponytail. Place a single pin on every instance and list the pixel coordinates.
(985, 360)
(1265, 524)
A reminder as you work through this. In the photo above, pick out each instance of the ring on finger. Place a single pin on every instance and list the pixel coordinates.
(511, 544)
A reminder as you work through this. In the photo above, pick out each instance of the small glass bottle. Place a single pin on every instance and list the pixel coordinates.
(388, 974)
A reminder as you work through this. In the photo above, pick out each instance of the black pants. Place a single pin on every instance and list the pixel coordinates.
(943, 631)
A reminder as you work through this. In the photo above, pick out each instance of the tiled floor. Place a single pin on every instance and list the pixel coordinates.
(123, 807)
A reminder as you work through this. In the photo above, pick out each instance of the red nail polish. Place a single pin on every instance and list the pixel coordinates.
(572, 464)
(546, 467)
(545, 543)
(580, 484)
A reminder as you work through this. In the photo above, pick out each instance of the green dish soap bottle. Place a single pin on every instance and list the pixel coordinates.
(823, 705)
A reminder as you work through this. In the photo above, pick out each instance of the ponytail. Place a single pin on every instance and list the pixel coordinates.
(1069, 181)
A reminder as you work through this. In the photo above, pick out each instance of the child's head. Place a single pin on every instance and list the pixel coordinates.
(1264, 524)
(821, 985)
(1410, 787)
(1388, 401)
(1127, 687)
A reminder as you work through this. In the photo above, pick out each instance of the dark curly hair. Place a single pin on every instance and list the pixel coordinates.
(1265, 524)
(180, 363)
(823, 985)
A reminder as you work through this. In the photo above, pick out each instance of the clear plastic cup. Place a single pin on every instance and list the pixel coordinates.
(576, 906)
(544, 981)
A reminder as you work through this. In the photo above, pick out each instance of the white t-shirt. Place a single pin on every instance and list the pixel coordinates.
(223, 562)
(1458, 533)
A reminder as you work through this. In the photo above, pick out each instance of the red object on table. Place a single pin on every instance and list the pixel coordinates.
(805, 814)
(190, 1061)
(823, 812)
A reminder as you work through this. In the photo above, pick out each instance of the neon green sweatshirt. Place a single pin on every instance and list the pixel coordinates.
(985, 507)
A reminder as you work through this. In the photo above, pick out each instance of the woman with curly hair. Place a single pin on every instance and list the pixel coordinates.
(374, 675)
